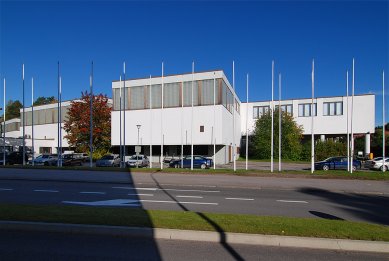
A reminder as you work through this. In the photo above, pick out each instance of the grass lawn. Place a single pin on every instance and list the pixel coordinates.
(307, 227)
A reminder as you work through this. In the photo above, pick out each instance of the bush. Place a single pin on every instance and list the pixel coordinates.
(329, 148)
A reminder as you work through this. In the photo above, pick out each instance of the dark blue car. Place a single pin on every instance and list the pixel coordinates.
(198, 162)
(336, 163)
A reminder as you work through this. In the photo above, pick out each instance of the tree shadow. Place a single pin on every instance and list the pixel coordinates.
(369, 208)
(222, 234)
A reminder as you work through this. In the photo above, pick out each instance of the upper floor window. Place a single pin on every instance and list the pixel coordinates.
(305, 109)
(286, 108)
(258, 111)
(332, 108)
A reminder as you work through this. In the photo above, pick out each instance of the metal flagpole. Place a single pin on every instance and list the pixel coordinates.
(383, 122)
(91, 118)
(124, 114)
(233, 116)
(162, 120)
(182, 123)
(272, 118)
(214, 121)
(312, 114)
(32, 121)
(151, 126)
(120, 122)
(58, 122)
(279, 122)
(352, 116)
(348, 134)
(4, 124)
(191, 128)
(24, 131)
(247, 120)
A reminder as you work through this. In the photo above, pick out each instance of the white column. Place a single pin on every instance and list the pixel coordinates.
(367, 144)
(323, 137)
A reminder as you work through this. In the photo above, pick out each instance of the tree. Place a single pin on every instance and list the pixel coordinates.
(12, 109)
(291, 146)
(45, 100)
(77, 123)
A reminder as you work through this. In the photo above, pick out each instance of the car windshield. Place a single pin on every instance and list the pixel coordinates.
(45, 156)
(108, 157)
(135, 158)
(379, 158)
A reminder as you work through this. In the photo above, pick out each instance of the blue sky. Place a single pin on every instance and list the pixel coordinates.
(212, 34)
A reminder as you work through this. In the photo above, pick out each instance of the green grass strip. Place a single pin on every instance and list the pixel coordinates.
(307, 227)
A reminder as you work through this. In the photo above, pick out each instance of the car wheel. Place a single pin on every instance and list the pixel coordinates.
(325, 167)
(382, 168)
(354, 168)
(203, 166)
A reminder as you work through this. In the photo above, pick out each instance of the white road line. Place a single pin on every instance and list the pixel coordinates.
(92, 192)
(45, 190)
(5, 189)
(178, 190)
(178, 202)
(240, 198)
(123, 187)
(189, 197)
(147, 195)
(292, 201)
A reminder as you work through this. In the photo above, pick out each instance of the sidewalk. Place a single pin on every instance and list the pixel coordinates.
(203, 236)
(204, 180)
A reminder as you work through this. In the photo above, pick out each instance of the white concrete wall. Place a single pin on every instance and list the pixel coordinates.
(363, 120)
(45, 135)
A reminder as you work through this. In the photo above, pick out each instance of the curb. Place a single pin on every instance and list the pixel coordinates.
(203, 236)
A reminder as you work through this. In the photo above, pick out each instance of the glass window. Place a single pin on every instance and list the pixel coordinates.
(339, 108)
(137, 97)
(207, 90)
(187, 89)
(305, 109)
(255, 112)
(260, 110)
(171, 94)
(156, 94)
(332, 108)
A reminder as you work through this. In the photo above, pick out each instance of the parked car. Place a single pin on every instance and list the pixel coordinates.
(71, 160)
(198, 162)
(377, 163)
(337, 163)
(110, 160)
(46, 160)
(140, 161)
(15, 157)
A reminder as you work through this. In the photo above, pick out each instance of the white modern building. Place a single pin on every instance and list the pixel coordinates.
(330, 115)
(215, 116)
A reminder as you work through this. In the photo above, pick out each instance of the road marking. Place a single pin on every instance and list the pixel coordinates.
(5, 189)
(240, 198)
(148, 195)
(292, 201)
(178, 202)
(178, 190)
(189, 197)
(92, 192)
(45, 190)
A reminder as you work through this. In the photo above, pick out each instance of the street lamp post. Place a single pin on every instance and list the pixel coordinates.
(137, 150)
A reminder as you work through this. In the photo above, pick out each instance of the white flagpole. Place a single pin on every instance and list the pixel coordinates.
(312, 114)
(191, 132)
(32, 121)
(58, 123)
(272, 118)
(151, 127)
(60, 117)
(279, 122)
(348, 134)
(120, 122)
(352, 131)
(24, 120)
(247, 120)
(182, 123)
(162, 122)
(124, 114)
(233, 116)
(91, 118)
(383, 122)
(4, 124)
(214, 121)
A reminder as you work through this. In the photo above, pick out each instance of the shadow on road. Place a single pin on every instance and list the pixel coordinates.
(223, 237)
(370, 208)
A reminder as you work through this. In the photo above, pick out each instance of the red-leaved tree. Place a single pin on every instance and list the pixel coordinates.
(77, 123)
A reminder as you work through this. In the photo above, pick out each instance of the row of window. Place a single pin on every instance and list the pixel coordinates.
(46, 116)
(305, 109)
(14, 126)
(175, 94)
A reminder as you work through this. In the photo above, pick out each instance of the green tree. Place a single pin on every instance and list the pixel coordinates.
(291, 146)
(45, 100)
(12, 109)
(77, 123)
(329, 148)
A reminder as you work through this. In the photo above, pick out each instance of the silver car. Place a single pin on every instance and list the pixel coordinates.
(46, 160)
(140, 161)
(110, 160)
(378, 164)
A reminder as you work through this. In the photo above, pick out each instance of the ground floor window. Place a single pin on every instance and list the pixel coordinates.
(45, 150)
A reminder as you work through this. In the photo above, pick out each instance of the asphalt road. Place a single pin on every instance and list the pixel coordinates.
(17, 245)
(291, 202)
